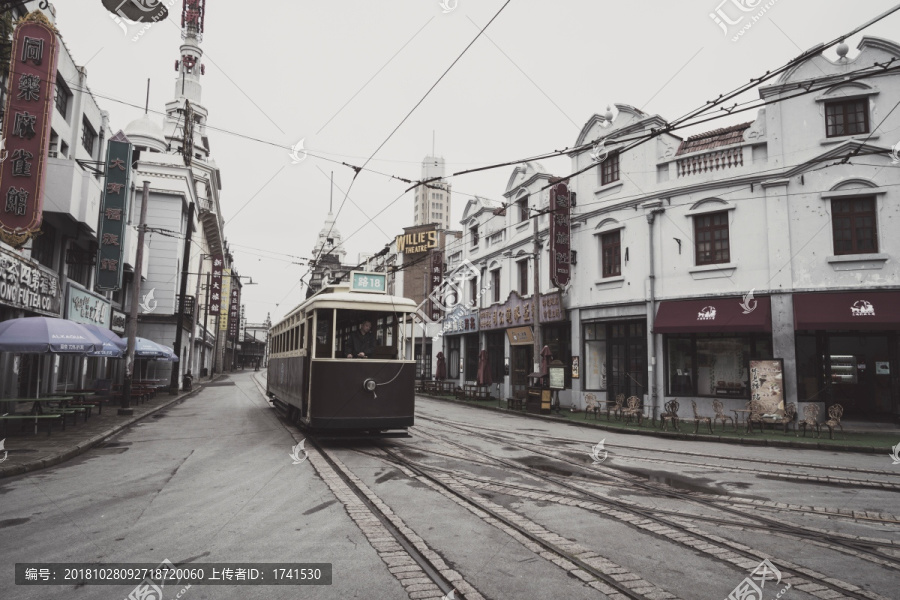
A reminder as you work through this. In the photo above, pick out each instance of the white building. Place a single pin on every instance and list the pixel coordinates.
(432, 201)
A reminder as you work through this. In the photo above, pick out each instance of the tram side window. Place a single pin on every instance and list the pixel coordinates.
(324, 341)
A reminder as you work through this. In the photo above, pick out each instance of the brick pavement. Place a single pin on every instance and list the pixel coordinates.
(29, 452)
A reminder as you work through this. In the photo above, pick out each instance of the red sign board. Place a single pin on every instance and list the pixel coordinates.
(435, 280)
(26, 128)
(234, 311)
(560, 234)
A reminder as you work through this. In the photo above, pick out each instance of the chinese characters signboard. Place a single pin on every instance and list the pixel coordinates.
(26, 128)
(85, 307)
(516, 312)
(435, 279)
(214, 303)
(560, 268)
(234, 310)
(767, 383)
(460, 320)
(225, 299)
(112, 215)
(361, 281)
(25, 285)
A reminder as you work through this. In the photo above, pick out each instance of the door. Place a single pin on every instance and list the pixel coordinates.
(627, 356)
(522, 366)
(859, 367)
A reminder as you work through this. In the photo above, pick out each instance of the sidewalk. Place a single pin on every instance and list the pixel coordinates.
(29, 452)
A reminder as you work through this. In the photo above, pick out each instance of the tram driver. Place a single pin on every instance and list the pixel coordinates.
(362, 341)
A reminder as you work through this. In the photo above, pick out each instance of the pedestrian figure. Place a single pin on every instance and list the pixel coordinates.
(362, 341)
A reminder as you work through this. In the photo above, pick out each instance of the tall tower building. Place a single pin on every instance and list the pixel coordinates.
(432, 204)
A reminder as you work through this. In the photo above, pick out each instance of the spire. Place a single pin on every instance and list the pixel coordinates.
(187, 102)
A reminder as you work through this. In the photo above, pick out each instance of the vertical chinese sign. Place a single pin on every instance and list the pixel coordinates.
(113, 214)
(226, 299)
(215, 286)
(435, 278)
(560, 269)
(234, 310)
(26, 128)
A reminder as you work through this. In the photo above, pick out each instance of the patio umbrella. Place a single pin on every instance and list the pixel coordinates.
(441, 372)
(113, 345)
(46, 335)
(484, 369)
(144, 348)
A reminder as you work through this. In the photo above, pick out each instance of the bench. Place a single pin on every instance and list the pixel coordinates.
(769, 411)
(18, 417)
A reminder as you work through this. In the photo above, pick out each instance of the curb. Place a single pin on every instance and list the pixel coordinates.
(675, 435)
(86, 445)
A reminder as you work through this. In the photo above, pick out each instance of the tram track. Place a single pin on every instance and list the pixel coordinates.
(698, 540)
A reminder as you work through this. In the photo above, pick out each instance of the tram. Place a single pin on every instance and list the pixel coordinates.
(330, 372)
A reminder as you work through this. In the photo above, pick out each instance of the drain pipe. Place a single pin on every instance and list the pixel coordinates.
(655, 208)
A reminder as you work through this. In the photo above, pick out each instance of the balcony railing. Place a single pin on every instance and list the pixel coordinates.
(711, 161)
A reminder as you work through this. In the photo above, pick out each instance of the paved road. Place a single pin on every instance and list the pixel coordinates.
(504, 506)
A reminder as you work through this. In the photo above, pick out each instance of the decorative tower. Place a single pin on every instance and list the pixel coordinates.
(185, 115)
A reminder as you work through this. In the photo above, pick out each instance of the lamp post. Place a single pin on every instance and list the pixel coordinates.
(195, 314)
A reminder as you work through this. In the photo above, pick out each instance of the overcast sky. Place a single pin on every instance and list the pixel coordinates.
(281, 71)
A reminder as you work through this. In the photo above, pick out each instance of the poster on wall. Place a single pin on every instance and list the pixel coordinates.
(575, 367)
(767, 383)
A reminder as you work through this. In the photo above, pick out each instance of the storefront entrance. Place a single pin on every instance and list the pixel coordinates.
(628, 359)
(522, 366)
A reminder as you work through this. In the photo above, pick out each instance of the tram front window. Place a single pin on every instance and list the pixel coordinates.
(323, 333)
(376, 340)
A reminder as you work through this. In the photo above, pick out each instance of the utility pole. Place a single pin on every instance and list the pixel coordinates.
(537, 295)
(125, 408)
(194, 317)
(182, 290)
(424, 322)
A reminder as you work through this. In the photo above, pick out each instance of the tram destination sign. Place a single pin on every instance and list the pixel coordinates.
(362, 281)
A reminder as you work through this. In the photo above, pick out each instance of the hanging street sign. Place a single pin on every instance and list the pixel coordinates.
(234, 310)
(225, 300)
(113, 213)
(214, 296)
(26, 128)
(560, 233)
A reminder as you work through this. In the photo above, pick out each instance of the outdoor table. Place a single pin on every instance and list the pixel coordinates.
(80, 398)
(737, 415)
(36, 408)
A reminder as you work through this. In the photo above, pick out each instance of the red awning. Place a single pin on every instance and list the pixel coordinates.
(863, 310)
(714, 315)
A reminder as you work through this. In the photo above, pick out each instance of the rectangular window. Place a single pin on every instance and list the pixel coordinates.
(612, 254)
(473, 233)
(495, 284)
(473, 292)
(853, 223)
(88, 136)
(595, 356)
(711, 238)
(522, 203)
(847, 117)
(609, 169)
(712, 364)
(523, 277)
(62, 96)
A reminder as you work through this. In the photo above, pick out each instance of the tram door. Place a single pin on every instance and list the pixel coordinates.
(306, 379)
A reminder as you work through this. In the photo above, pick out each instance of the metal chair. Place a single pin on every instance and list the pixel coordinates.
(835, 413)
(698, 419)
(810, 418)
(617, 407)
(670, 415)
(591, 405)
(719, 408)
(633, 409)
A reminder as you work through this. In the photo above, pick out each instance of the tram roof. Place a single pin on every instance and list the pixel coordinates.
(342, 297)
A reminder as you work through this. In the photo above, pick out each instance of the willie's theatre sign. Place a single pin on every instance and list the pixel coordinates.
(26, 128)
(414, 243)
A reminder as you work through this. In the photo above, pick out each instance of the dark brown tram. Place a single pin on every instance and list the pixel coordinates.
(310, 376)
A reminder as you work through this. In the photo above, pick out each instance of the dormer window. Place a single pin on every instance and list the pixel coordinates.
(846, 117)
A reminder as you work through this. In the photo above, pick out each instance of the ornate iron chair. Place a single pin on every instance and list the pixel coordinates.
(670, 415)
(835, 413)
(616, 407)
(698, 419)
(633, 409)
(810, 418)
(591, 405)
(720, 414)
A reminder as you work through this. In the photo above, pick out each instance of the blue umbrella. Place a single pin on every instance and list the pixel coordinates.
(144, 348)
(41, 335)
(113, 345)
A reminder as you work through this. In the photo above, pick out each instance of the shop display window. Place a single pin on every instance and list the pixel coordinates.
(712, 364)
(594, 364)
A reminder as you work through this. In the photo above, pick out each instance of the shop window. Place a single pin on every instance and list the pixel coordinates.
(680, 358)
(453, 347)
(594, 364)
(522, 266)
(495, 284)
(611, 249)
(846, 117)
(88, 136)
(711, 238)
(712, 364)
(558, 338)
(609, 169)
(853, 225)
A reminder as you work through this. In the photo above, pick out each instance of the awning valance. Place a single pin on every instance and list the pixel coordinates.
(862, 310)
(713, 315)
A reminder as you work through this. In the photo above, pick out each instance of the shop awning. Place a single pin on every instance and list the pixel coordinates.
(863, 310)
(713, 315)
(520, 336)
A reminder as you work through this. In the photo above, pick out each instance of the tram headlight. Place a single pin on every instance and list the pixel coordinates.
(370, 385)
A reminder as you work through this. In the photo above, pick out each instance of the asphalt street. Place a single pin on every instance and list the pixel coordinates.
(502, 504)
